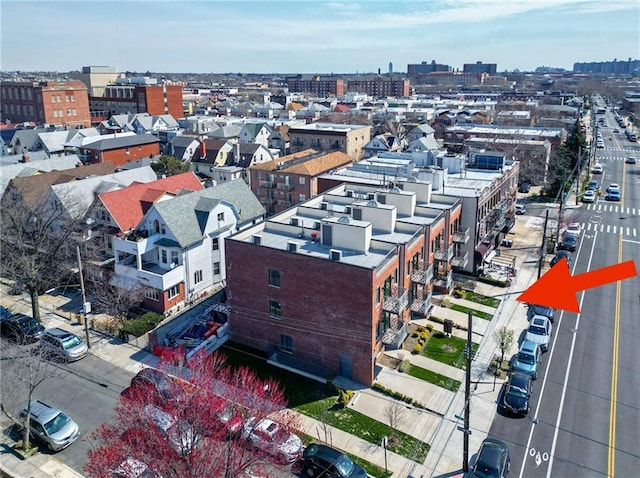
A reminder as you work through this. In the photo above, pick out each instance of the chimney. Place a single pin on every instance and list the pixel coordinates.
(237, 151)
(25, 157)
(203, 149)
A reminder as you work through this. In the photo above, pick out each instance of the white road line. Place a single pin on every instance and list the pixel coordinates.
(566, 375)
(601, 227)
(634, 232)
(628, 231)
(608, 228)
(630, 240)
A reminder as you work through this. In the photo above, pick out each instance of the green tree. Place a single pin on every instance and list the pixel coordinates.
(168, 165)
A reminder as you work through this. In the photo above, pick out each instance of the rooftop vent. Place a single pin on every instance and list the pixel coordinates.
(335, 255)
(257, 239)
(292, 246)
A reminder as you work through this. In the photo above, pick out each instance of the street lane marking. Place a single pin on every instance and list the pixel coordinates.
(611, 466)
(556, 428)
(630, 240)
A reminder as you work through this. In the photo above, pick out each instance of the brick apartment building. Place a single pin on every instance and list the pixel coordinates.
(348, 138)
(380, 86)
(59, 103)
(326, 286)
(286, 181)
(120, 150)
(317, 85)
(129, 98)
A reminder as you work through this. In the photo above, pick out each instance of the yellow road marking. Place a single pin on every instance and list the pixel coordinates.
(611, 466)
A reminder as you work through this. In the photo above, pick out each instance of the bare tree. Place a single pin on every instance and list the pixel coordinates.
(115, 298)
(41, 235)
(504, 337)
(396, 414)
(25, 369)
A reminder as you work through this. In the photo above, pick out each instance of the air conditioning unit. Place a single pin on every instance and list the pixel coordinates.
(347, 210)
(324, 206)
(316, 225)
(348, 193)
(257, 239)
(335, 255)
(371, 196)
(294, 221)
(292, 246)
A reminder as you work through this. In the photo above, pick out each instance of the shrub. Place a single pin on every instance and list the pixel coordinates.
(141, 325)
(430, 327)
(424, 335)
(417, 348)
(420, 328)
(446, 302)
(405, 366)
(421, 341)
(345, 397)
(435, 319)
(496, 282)
(415, 334)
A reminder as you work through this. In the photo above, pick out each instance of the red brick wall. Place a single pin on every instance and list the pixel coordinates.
(327, 306)
(155, 96)
(119, 156)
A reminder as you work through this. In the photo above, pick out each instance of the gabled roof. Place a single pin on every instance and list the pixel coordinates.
(17, 169)
(225, 132)
(340, 108)
(183, 141)
(121, 142)
(128, 206)
(56, 140)
(246, 153)
(34, 188)
(27, 138)
(77, 196)
(423, 128)
(283, 129)
(185, 215)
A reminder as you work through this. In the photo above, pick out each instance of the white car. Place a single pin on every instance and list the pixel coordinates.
(589, 196)
(539, 332)
(573, 229)
(598, 168)
(521, 209)
(273, 438)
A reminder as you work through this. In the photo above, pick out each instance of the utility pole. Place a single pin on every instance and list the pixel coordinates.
(543, 250)
(86, 307)
(467, 397)
(560, 212)
(578, 171)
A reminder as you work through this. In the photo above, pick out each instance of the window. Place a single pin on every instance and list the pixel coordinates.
(378, 295)
(163, 256)
(220, 216)
(151, 294)
(286, 343)
(301, 198)
(215, 243)
(174, 257)
(379, 330)
(173, 291)
(216, 268)
(275, 309)
(197, 276)
(274, 277)
(73, 98)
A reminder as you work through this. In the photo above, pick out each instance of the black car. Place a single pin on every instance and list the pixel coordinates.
(324, 461)
(524, 188)
(561, 255)
(535, 309)
(155, 384)
(4, 313)
(569, 243)
(493, 460)
(21, 329)
(517, 394)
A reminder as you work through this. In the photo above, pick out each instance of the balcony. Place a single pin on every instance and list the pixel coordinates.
(444, 281)
(422, 276)
(267, 184)
(396, 302)
(151, 274)
(460, 260)
(444, 254)
(421, 306)
(461, 236)
(286, 186)
(395, 335)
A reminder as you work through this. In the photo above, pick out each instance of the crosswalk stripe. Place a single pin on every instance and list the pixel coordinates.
(628, 231)
(634, 232)
(608, 228)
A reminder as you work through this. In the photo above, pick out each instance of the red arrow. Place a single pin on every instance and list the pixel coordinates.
(557, 288)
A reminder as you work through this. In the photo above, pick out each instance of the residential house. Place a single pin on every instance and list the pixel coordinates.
(184, 147)
(326, 286)
(258, 133)
(348, 138)
(420, 131)
(289, 180)
(177, 250)
(55, 142)
(279, 139)
(226, 132)
(245, 155)
(385, 142)
(120, 150)
(36, 163)
(455, 136)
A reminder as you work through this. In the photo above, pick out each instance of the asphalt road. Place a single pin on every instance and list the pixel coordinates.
(585, 414)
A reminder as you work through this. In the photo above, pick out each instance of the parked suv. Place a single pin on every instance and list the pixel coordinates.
(61, 344)
(535, 309)
(527, 359)
(50, 425)
(21, 328)
(322, 460)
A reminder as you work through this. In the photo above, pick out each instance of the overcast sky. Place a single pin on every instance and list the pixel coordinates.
(313, 36)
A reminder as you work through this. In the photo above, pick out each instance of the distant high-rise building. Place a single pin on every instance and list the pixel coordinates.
(97, 78)
(316, 85)
(380, 86)
(479, 67)
(614, 67)
(424, 68)
(390, 67)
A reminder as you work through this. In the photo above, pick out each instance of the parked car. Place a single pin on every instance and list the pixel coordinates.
(62, 344)
(517, 394)
(573, 228)
(132, 468)
(178, 432)
(524, 188)
(272, 438)
(21, 328)
(50, 425)
(534, 310)
(322, 460)
(598, 168)
(493, 460)
(521, 209)
(4, 313)
(589, 196)
(613, 187)
(593, 184)
(155, 384)
(527, 359)
(539, 331)
(563, 254)
(630, 160)
(569, 243)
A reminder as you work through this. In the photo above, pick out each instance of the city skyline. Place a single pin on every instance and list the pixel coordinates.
(292, 36)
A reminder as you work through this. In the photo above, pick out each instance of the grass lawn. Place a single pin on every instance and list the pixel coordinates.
(435, 378)
(466, 310)
(449, 350)
(482, 299)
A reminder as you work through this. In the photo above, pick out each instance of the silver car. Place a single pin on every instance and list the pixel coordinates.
(50, 425)
(62, 344)
(539, 331)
